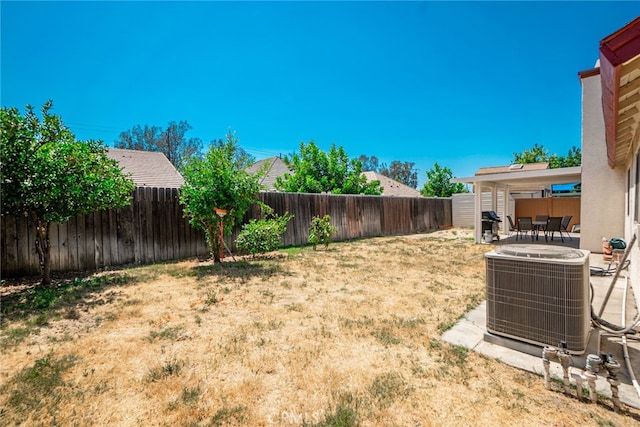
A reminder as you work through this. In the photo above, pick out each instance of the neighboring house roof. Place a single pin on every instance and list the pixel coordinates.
(276, 167)
(391, 187)
(513, 168)
(147, 168)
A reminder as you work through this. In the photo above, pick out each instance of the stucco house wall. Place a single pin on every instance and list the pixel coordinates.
(603, 198)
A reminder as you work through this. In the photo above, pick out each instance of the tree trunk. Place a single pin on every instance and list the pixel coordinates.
(43, 247)
(213, 238)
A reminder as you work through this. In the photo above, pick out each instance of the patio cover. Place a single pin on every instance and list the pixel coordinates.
(504, 181)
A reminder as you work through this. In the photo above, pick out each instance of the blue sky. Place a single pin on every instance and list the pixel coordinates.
(464, 84)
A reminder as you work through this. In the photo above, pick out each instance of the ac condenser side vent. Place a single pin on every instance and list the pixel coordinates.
(539, 294)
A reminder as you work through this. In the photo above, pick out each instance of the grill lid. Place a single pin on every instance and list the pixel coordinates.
(540, 251)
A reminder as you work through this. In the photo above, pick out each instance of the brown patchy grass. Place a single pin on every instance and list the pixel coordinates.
(346, 336)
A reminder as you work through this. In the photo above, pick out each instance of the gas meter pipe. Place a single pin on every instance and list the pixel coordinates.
(616, 275)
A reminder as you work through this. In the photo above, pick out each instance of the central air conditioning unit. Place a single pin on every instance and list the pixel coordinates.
(539, 294)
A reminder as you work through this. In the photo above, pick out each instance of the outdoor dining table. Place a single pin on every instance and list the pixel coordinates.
(537, 226)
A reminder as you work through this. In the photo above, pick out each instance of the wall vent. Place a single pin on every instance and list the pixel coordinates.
(539, 294)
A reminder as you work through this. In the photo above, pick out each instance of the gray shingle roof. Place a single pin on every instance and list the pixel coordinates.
(147, 168)
(276, 167)
(391, 187)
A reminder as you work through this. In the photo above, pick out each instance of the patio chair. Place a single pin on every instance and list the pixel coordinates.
(512, 226)
(554, 224)
(539, 224)
(565, 223)
(525, 225)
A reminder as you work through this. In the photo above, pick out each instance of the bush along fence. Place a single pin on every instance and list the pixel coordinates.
(153, 229)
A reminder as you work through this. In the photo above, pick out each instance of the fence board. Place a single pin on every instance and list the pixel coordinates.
(98, 247)
(170, 221)
(54, 241)
(146, 204)
(113, 236)
(63, 246)
(126, 231)
(9, 245)
(182, 236)
(165, 224)
(88, 240)
(72, 244)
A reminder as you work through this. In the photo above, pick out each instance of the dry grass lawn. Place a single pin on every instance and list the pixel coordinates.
(337, 337)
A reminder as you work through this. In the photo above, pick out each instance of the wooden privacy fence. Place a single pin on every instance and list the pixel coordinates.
(153, 229)
(550, 206)
(357, 216)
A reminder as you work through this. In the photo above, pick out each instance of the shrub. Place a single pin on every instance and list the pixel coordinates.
(263, 235)
(321, 230)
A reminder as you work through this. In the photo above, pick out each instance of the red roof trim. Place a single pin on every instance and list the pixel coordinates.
(588, 73)
(615, 50)
(622, 45)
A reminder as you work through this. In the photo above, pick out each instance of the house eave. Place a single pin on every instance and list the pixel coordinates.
(620, 80)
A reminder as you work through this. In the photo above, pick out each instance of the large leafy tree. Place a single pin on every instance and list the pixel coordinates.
(218, 180)
(241, 157)
(439, 183)
(48, 176)
(171, 141)
(315, 171)
(369, 163)
(539, 153)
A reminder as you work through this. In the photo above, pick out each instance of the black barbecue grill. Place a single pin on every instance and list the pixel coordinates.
(490, 223)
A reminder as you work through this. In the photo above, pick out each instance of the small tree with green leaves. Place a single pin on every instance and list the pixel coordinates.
(315, 171)
(49, 176)
(320, 231)
(263, 235)
(218, 181)
(538, 153)
(439, 183)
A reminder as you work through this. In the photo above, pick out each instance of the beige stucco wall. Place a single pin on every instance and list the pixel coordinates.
(603, 189)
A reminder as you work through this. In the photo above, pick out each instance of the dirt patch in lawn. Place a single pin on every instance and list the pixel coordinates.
(344, 336)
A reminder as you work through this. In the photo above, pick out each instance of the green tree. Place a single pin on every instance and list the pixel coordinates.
(49, 176)
(218, 181)
(171, 141)
(539, 154)
(263, 235)
(320, 231)
(241, 157)
(369, 163)
(439, 183)
(315, 171)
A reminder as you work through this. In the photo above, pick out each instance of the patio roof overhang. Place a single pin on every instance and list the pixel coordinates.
(620, 79)
(503, 182)
(523, 178)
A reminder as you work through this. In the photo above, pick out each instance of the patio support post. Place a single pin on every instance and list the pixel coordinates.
(478, 212)
(494, 198)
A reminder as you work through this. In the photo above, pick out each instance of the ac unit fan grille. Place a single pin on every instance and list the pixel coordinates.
(538, 302)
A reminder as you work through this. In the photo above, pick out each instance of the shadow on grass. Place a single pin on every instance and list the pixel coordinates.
(243, 269)
(23, 299)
